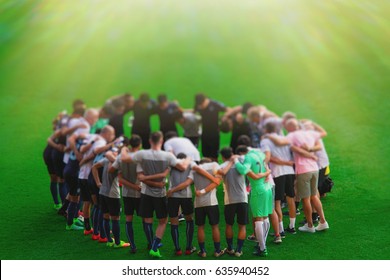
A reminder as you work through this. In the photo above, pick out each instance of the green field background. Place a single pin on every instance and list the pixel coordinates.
(325, 60)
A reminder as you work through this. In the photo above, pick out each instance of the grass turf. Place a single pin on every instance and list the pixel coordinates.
(328, 61)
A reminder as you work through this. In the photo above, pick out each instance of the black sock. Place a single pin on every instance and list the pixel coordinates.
(175, 236)
(189, 234)
(107, 229)
(116, 231)
(240, 244)
(148, 228)
(130, 234)
(87, 224)
(155, 243)
(63, 191)
(229, 242)
(54, 192)
(71, 209)
(95, 220)
(102, 231)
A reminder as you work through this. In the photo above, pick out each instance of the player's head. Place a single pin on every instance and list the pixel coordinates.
(170, 134)
(144, 99)
(226, 153)
(200, 101)
(181, 156)
(242, 150)
(244, 140)
(225, 126)
(286, 116)
(108, 133)
(162, 99)
(205, 160)
(292, 125)
(128, 100)
(156, 138)
(270, 127)
(246, 107)
(118, 105)
(135, 141)
(91, 116)
(254, 114)
(78, 107)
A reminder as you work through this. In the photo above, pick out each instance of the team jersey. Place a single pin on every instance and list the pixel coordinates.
(99, 142)
(200, 183)
(177, 177)
(234, 186)
(128, 170)
(110, 186)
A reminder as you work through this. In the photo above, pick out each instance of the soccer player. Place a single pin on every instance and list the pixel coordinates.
(153, 199)
(169, 113)
(177, 145)
(235, 200)
(191, 126)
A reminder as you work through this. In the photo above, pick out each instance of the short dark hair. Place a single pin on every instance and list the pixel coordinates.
(242, 149)
(144, 97)
(199, 99)
(205, 160)
(246, 107)
(181, 155)
(244, 140)
(226, 152)
(155, 137)
(78, 103)
(135, 140)
(162, 98)
(270, 127)
(170, 134)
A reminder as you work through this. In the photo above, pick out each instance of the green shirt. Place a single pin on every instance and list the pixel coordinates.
(254, 161)
(99, 125)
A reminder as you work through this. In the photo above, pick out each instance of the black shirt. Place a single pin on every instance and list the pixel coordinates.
(141, 122)
(210, 117)
(168, 117)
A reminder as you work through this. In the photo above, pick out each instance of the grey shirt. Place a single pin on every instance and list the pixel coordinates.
(110, 186)
(128, 170)
(177, 177)
(234, 187)
(153, 162)
(200, 182)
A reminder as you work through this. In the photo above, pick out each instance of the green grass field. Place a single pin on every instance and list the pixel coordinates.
(325, 60)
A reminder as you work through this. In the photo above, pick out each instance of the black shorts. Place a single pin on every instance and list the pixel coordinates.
(110, 205)
(321, 177)
(84, 192)
(210, 145)
(211, 212)
(58, 161)
(149, 204)
(131, 204)
(48, 160)
(237, 209)
(92, 187)
(71, 174)
(284, 185)
(187, 206)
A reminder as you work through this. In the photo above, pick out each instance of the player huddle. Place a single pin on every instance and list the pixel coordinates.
(94, 167)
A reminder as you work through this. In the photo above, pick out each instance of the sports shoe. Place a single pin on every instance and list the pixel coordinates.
(103, 240)
(190, 251)
(87, 232)
(96, 236)
(278, 239)
(297, 212)
(283, 234)
(306, 228)
(155, 254)
(290, 230)
(181, 218)
(238, 254)
(57, 206)
(80, 218)
(122, 244)
(202, 254)
(178, 252)
(230, 252)
(110, 244)
(62, 212)
(77, 222)
(220, 253)
(261, 253)
(73, 227)
(252, 238)
(79, 213)
(322, 227)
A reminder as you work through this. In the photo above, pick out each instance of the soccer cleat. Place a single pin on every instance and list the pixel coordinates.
(103, 240)
(190, 251)
(260, 253)
(57, 206)
(73, 227)
(122, 244)
(96, 236)
(291, 230)
(155, 254)
(220, 253)
(88, 232)
(251, 238)
(202, 254)
(238, 254)
(277, 239)
(77, 222)
(181, 218)
(306, 228)
(322, 227)
(110, 244)
(230, 252)
(283, 234)
(178, 252)
(297, 212)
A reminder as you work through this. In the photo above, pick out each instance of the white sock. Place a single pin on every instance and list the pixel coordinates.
(266, 228)
(292, 222)
(260, 234)
(281, 228)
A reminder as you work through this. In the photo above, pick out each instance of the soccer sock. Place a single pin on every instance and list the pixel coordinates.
(148, 228)
(76, 212)
(217, 247)
(189, 233)
(267, 226)
(101, 225)
(63, 191)
(71, 209)
(259, 229)
(201, 247)
(175, 236)
(106, 223)
(240, 244)
(292, 222)
(95, 219)
(229, 242)
(54, 192)
(281, 228)
(116, 231)
(130, 234)
(155, 243)
(65, 205)
(87, 224)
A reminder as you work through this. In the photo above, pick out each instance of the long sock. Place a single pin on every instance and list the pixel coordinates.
(281, 228)
(175, 236)
(201, 247)
(292, 222)
(87, 224)
(95, 219)
(240, 244)
(63, 191)
(76, 213)
(189, 234)
(130, 234)
(71, 209)
(65, 205)
(217, 247)
(107, 229)
(229, 242)
(267, 226)
(148, 229)
(155, 243)
(102, 230)
(116, 231)
(259, 229)
(54, 192)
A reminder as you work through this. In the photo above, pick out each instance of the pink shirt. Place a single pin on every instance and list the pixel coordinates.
(298, 138)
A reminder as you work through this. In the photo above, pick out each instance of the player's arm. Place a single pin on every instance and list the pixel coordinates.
(180, 187)
(204, 173)
(110, 156)
(72, 145)
(128, 183)
(209, 188)
(183, 164)
(279, 161)
(258, 176)
(154, 184)
(162, 175)
(125, 155)
(70, 130)
(225, 170)
(95, 173)
(302, 152)
(87, 159)
(53, 144)
(278, 140)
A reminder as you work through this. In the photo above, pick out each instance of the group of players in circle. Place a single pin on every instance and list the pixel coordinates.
(89, 159)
